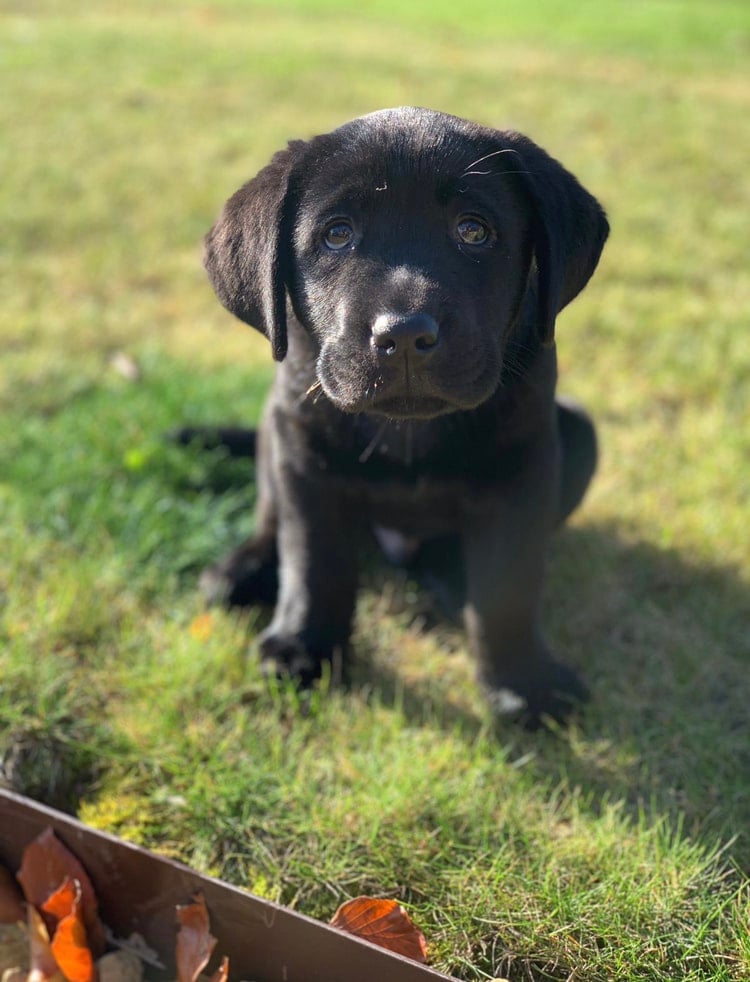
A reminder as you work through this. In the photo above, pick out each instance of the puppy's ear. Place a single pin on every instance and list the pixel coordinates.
(571, 229)
(247, 252)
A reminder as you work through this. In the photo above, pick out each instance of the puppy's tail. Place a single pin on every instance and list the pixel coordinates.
(236, 440)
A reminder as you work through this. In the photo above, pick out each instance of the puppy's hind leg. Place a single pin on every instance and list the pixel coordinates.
(579, 455)
(250, 573)
(247, 576)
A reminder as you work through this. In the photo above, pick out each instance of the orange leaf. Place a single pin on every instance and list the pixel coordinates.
(383, 922)
(69, 943)
(64, 901)
(11, 904)
(202, 627)
(43, 964)
(45, 867)
(194, 940)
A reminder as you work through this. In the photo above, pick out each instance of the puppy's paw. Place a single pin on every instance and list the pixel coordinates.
(245, 577)
(287, 657)
(551, 697)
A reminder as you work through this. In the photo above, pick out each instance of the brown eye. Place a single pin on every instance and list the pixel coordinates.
(338, 236)
(472, 231)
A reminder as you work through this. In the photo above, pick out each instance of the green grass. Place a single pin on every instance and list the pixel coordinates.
(617, 849)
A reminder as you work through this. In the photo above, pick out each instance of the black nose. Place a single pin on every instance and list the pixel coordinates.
(410, 333)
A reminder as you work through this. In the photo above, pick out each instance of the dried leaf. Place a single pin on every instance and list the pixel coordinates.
(43, 964)
(64, 900)
(202, 627)
(11, 903)
(47, 863)
(194, 940)
(69, 942)
(384, 923)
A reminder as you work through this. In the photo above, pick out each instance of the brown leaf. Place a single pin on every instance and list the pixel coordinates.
(384, 923)
(45, 867)
(69, 943)
(43, 964)
(11, 903)
(194, 940)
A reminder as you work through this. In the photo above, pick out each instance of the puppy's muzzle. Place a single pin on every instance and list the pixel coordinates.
(411, 336)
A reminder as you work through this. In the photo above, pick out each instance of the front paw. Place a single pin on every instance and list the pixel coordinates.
(550, 695)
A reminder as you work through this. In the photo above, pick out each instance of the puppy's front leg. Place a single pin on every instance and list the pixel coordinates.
(317, 578)
(504, 546)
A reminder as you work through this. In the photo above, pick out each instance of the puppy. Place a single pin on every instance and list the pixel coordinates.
(407, 269)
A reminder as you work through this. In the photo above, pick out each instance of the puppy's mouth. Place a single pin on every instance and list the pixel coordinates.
(396, 404)
(409, 407)
(418, 397)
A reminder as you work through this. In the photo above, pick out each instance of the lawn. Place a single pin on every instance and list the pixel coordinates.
(617, 849)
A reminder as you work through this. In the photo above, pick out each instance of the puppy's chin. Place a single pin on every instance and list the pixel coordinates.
(409, 408)
(404, 406)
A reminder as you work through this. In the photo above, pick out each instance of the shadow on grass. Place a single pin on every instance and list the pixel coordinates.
(664, 645)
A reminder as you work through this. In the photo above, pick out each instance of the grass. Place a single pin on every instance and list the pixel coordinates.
(617, 849)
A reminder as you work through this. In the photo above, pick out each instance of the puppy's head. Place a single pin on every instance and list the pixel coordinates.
(418, 251)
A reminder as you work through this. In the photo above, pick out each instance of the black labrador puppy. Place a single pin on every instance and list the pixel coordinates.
(407, 269)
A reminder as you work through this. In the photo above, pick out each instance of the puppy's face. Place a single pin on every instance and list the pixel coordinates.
(407, 242)
(411, 255)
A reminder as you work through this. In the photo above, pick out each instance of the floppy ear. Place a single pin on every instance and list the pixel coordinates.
(571, 229)
(247, 254)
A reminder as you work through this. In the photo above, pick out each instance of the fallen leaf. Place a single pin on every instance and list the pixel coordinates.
(43, 964)
(46, 864)
(64, 900)
(194, 940)
(384, 923)
(202, 627)
(11, 902)
(69, 943)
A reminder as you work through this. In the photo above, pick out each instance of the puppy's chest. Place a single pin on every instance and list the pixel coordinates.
(379, 453)
(416, 478)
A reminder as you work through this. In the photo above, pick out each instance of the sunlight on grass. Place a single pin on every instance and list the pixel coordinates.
(616, 849)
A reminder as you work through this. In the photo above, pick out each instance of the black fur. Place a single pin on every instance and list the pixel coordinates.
(416, 390)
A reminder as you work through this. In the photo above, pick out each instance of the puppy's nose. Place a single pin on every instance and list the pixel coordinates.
(410, 334)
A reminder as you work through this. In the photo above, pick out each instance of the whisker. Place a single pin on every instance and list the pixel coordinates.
(370, 448)
(316, 390)
(495, 153)
(493, 173)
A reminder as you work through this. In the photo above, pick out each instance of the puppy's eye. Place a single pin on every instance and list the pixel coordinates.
(472, 231)
(338, 236)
